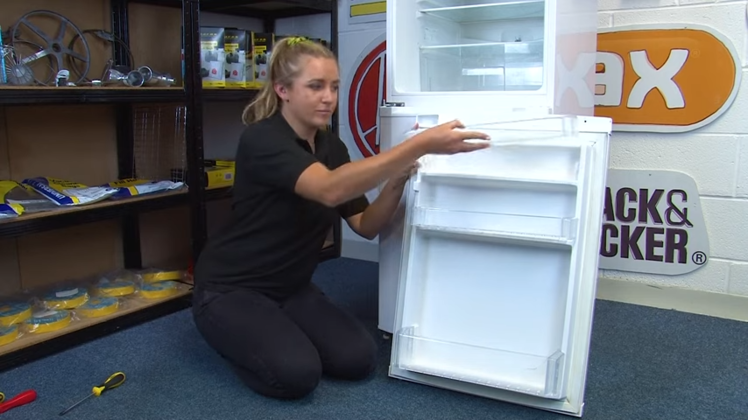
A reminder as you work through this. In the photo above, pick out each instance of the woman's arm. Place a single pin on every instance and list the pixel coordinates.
(376, 216)
(335, 187)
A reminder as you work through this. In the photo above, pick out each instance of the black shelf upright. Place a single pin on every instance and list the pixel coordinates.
(194, 125)
(130, 224)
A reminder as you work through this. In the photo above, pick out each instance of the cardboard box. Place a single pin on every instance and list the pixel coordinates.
(212, 57)
(218, 173)
(262, 50)
(237, 42)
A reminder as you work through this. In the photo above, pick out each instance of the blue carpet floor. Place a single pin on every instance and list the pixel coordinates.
(645, 364)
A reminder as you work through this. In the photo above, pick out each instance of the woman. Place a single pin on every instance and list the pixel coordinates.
(254, 302)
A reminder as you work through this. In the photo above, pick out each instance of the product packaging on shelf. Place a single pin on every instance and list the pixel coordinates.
(160, 284)
(262, 44)
(10, 334)
(14, 310)
(159, 290)
(8, 210)
(131, 187)
(67, 193)
(27, 198)
(218, 173)
(122, 283)
(238, 45)
(48, 320)
(99, 306)
(64, 296)
(212, 57)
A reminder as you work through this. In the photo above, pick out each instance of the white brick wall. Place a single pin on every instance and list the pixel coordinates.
(716, 156)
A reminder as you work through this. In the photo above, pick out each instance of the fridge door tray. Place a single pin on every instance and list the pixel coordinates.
(510, 296)
(523, 163)
(537, 375)
(498, 226)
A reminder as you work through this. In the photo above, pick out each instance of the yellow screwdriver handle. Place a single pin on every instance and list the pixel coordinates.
(112, 382)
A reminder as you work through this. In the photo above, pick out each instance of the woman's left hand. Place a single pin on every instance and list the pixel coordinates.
(401, 178)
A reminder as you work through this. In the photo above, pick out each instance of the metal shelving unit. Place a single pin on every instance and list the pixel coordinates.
(127, 211)
(85, 95)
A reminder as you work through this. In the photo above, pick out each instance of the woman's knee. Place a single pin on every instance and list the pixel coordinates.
(357, 361)
(292, 378)
(297, 379)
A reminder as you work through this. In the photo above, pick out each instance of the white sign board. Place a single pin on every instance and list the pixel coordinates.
(652, 223)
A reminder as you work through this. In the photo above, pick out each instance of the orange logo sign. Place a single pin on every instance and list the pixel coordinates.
(664, 79)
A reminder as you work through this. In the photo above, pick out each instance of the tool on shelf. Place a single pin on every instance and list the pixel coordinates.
(23, 398)
(112, 382)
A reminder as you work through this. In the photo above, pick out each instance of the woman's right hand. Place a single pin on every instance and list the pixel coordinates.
(448, 139)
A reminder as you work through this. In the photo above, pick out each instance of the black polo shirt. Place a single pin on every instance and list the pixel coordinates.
(272, 240)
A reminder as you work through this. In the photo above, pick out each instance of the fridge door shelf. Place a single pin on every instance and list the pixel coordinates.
(550, 165)
(537, 375)
(462, 11)
(475, 181)
(499, 227)
(511, 288)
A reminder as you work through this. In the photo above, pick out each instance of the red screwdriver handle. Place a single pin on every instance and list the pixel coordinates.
(23, 398)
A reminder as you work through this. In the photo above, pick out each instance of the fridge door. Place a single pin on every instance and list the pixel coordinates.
(394, 125)
(500, 262)
(501, 55)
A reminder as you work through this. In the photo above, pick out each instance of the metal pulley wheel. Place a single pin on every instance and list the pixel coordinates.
(55, 45)
(19, 73)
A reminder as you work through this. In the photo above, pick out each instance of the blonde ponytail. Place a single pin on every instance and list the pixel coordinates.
(283, 69)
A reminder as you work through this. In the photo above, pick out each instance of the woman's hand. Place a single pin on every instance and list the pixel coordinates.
(401, 178)
(448, 139)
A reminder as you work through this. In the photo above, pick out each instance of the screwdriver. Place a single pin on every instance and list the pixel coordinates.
(23, 398)
(112, 382)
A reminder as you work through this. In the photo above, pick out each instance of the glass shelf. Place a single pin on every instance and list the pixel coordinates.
(482, 66)
(493, 11)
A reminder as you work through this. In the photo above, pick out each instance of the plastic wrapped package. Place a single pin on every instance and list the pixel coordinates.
(131, 187)
(8, 210)
(154, 275)
(24, 197)
(13, 312)
(48, 320)
(97, 307)
(65, 297)
(159, 289)
(118, 284)
(9, 334)
(67, 193)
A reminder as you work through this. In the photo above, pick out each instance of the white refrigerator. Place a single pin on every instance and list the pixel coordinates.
(488, 272)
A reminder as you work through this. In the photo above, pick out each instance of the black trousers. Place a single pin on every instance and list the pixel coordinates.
(282, 349)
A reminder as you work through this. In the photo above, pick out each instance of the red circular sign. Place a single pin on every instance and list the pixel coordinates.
(366, 94)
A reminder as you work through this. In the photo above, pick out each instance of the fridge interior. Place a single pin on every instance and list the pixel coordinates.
(474, 45)
(489, 263)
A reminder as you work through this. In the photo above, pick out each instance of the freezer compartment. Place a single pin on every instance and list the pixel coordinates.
(502, 302)
(532, 374)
